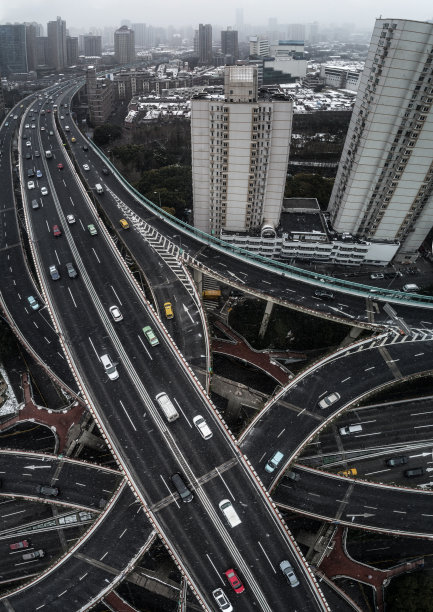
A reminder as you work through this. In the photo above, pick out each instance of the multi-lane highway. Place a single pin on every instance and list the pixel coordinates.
(148, 449)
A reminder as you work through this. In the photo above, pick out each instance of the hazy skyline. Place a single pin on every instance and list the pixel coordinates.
(99, 13)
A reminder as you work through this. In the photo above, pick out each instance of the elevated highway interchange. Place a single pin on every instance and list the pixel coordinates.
(91, 270)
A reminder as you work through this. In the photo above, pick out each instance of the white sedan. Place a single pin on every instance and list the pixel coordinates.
(31, 185)
(115, 313)
(44, 191)
(86, 167)
(70, 218)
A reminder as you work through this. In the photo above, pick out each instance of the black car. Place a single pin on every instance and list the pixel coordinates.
(105, 170)
(325, 294)
(85, 148)
(394, 461)
(28, 156)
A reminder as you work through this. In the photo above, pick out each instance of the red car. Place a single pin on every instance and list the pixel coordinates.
(19, 545)
(56, 230)
(235, 583)
(60, 166)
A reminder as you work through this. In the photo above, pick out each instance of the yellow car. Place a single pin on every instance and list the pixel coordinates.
(73, 139)
(124, 223)
(349, 472)
(168, 310)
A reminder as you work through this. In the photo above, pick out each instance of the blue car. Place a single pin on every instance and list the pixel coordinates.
(34, 305)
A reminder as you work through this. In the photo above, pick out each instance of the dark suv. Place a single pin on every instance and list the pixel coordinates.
(395, 461)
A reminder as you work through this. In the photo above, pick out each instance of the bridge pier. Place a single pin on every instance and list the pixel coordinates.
(198, 279)
(266, 316)
(351, 336)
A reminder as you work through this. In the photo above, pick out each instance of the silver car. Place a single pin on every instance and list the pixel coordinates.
(287, 570)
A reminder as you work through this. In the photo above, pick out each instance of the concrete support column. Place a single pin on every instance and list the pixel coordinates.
(266, 317)
(198, 279)
(351, 336)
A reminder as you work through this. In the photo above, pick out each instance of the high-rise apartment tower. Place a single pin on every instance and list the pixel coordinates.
(57, 53)
(124, 45)
(384, 185)
(205, 43)
(240, 149)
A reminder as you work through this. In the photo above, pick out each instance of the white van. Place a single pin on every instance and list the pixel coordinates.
(410, 288)
(98, 188)
(229, 512)
(350, 429)
(109, 367)
(166, 405)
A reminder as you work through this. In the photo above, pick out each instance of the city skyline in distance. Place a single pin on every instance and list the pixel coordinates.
(190, 12)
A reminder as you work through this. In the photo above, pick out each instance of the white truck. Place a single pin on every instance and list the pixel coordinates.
(229, 512)
(48, 154)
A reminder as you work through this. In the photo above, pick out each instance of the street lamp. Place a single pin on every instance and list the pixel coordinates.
(159, 196)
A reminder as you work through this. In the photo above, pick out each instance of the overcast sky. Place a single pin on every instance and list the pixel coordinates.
(85, 13)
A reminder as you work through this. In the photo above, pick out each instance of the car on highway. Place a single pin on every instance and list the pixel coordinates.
(291, 475)
(324, 294)
(37, 154)
(38, 174)
(34, 305)
(109, 367)
(150, 335)
(57, 231)
(377, 276)
(124, 223)
(222, 601)
(287, 569)
(105, 170)
(85, 148)
(28, 156)
(6, 124)
(115, 313)
(44, 191)
(70, 219)
(33, 126)
(185, 493)
(35, 204)
(274, 462)
(234, 581)
(60, 166)
(35, 554)
(47, 490)
(72, 273)
(202, 426)
(396, 461)
(27, 126)
(31, 185)
(28, 143)
(42, 129)
(349, 472)
(73, 139)
(92, 229)
(86, 167)
(168, 309)
(54, 273)
(19, 545)
(329, 400)
(414, 472)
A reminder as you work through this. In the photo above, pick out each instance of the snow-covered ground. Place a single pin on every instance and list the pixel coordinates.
(10, 406)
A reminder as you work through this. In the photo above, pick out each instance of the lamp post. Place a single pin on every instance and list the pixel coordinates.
(159, 197)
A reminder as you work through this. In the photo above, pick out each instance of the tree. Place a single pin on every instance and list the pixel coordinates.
(105, 133)
(410, 593)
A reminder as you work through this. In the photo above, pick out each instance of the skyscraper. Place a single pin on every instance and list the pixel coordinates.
(384, 185)
(240, 148)
(13, 52)
(229, 44)
(71, 50)
(57, 53)
(205, 43)
(124, 45)
(92, 45)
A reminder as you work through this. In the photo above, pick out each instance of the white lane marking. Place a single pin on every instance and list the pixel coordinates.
(371, 368)
(145, 347)
(217, 572)
(281, 432)
(103, 556)
(117, 297)
(418, 354)
(72, 297)
(12, 513)
(303, 410)
(269, 561)
(130, 420)
(225, 484)
(378, 472)
(186, 418)
(99, 261)
(422, 426)
(418, 413)
(346, 379)
(169, 490)
(123, 533)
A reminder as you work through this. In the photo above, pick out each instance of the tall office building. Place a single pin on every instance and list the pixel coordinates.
(259, 46)
(124, 45)
(229, 45)
(140, 34)
(57, 52)
(71, 50)
(384, 185)
(240, 149)
(13, 51)
(205, 43)
(31, 45)
(92, 45)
